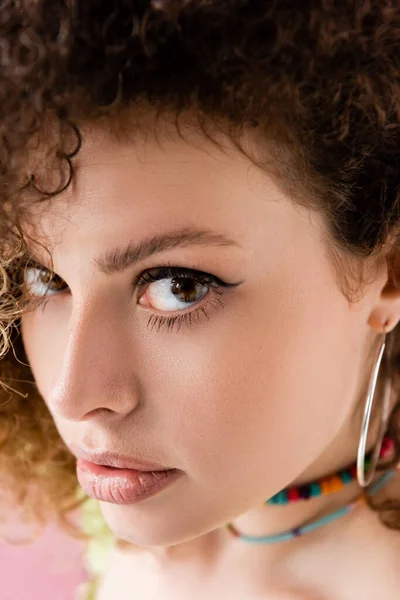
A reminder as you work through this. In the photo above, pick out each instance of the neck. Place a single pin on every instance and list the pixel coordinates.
(301, 568)
(252, 563)
(219, 551)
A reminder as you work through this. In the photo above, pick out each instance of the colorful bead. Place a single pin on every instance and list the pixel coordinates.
(345, 476)
(330, 484)
(299, 531)
(296, 532)
(325, 486)
(279, 498)
(336, 483)
(387, 447)
(293, 494)
(315, 489)
(304, 491)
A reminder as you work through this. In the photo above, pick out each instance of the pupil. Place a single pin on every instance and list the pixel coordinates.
(48, 279)
(186, 289)
(45, 277)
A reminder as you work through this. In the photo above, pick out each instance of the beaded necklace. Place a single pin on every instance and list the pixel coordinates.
(326, 485)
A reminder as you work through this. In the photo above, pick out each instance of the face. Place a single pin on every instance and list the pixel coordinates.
(229, 352)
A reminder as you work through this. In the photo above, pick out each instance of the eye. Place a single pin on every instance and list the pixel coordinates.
(174, 289)
(41, 282)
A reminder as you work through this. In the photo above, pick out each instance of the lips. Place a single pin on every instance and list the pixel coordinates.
(122, 486)
(111, 477)
(114, 459)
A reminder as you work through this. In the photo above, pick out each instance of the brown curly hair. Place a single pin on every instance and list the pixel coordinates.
(317, 84)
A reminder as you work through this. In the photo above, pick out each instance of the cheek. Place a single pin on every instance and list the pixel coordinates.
(44, 334)
(259, 401)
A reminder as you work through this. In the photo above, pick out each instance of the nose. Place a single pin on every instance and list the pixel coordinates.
(95, 375)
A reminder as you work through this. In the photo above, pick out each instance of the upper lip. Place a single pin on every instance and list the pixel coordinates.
(113, 459)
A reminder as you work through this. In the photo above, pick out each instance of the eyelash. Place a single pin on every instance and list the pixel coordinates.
(192, 316)
(188, 317)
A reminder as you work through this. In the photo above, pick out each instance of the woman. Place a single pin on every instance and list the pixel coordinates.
(200, 299)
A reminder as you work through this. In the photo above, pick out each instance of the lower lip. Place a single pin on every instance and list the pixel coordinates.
(122, 486)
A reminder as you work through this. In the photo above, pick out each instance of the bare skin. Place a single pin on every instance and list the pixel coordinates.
(338, 565)
(264, 392)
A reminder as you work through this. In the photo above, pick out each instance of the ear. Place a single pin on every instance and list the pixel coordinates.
(386, 312)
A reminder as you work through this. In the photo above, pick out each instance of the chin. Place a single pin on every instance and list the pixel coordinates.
(150, 529)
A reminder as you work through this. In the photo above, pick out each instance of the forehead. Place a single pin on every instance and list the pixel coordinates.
(125, 187)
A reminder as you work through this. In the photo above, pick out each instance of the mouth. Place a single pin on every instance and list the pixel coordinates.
(110, 477)
(122, 486)
(108, 458)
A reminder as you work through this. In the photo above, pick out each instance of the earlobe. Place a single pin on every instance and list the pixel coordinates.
(379, 324)
(386, 316)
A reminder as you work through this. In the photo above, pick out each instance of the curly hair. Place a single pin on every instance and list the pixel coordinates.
(316, 83)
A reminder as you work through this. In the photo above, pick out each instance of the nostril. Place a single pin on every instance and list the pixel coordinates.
(97, 412)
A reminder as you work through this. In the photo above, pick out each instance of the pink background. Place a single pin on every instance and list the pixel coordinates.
(51, 568)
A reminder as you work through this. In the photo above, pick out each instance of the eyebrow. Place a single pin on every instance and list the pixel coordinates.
(120, 259)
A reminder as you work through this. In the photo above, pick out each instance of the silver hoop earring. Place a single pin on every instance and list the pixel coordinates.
(364, 481)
